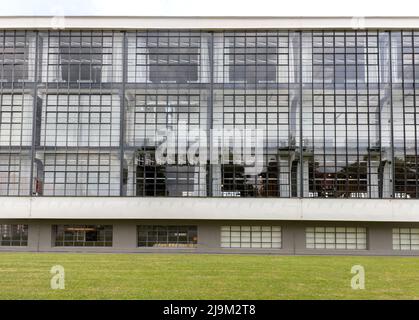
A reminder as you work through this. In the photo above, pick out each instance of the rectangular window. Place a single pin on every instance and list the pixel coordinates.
(82, 235)
(167, 57)
(80, 120)
(405, 238)
(268, 237)
(167, 236)
(81, 57)
(15, 235)
(16, 49)
(81, 174)
(14, 174)
(251, 59)
(178, 65)
(342, 57)
(166, 114)
(16, 119)
(81, 64)
(339, 238)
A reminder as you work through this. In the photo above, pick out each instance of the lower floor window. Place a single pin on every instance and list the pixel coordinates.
(167, 236)
(342, 238)
(405, 238)
(14, 235)
(251, 237)
(82, 235)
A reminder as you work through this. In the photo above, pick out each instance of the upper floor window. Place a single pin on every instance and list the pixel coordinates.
(17, 53)
(404, 56)
(79, 174)
(91, 57)
(16, 119)
(14, 174)
(343, 58)
(173, 64)
(80, 120)
(81, 63)
(251, 59)
(168, 58)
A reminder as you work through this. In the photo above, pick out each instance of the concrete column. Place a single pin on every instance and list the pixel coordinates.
(209, 236)
(200, 181)
(131, 186)
(33, 236)
(216, 180)
(305, 178)
(45, 236)
(387, 180)
(291, 237)
(380, 238)
(125, 235)
(299, 238)
(372, 178)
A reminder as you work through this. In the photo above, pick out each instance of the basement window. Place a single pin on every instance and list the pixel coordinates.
(265, 237)
(82, 235)
(405, 238)
(339, 238)
(167, 236)
(14, 235)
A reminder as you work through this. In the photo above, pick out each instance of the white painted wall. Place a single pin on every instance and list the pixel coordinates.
(209, 209)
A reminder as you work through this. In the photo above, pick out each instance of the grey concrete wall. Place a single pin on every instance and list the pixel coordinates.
(293, 237)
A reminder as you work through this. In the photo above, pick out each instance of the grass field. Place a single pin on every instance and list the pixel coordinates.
(176, 276)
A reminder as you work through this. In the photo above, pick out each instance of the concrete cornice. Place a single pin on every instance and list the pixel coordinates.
(206, 23)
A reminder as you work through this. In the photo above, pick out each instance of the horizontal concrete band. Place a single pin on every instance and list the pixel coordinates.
(207, 23)
(209, 209)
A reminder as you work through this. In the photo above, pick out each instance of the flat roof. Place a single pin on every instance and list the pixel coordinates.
(206, 22)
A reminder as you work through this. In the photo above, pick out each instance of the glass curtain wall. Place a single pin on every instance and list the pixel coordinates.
(179, 113)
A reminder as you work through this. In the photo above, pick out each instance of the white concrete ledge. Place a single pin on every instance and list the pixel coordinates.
(209, 209)
(206, 23)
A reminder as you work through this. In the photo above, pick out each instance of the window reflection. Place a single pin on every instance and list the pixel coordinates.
(338, 112)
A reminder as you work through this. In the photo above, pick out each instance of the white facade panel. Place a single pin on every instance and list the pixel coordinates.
(210, 209)
(191, 22)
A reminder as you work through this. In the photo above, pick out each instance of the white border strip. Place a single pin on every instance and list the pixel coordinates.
(210, 209)
(211, 23)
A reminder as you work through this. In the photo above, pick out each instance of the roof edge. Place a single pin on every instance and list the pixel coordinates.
(208, 22)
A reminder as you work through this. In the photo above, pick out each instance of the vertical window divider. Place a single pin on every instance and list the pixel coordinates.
(381, 176)
(393, 173)
(210, 113)
(34, 112)
(415, 106)
(122, 114)
(300, 79)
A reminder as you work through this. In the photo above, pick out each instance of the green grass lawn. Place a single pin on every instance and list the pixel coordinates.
(179, 276)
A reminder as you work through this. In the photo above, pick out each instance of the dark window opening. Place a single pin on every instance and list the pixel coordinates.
(167, 236)
(82, 235)
(14, 235)
(13, 64)
(406, 177)
(253, 74)
(81, 64)
(333, 182)
(150, 177)
(235, 183)
(178, 65)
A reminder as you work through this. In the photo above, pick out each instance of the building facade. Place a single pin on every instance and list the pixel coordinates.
(253, 135)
